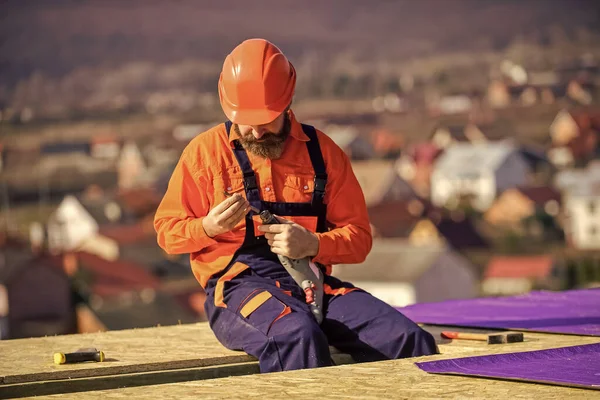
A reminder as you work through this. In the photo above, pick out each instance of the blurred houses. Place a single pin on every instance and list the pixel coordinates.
(479, 178)
(416, 164)
(581, 193)
(401, 274)
(476, 174)
(575, 138)
(35, 292)
(518, 208)
(445, 136)
(510, 275)
(380, 182)
(420, 224)
(583, 218)
(356, 146)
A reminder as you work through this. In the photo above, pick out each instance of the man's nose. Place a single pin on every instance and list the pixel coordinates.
(258, 131)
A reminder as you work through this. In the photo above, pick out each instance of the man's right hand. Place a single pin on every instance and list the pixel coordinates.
(226, 215)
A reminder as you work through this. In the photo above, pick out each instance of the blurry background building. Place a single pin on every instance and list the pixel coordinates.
(473, 128)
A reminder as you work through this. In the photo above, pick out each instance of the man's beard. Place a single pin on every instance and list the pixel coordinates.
(270, 144)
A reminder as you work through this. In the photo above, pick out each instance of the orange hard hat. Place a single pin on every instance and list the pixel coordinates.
(257, 83)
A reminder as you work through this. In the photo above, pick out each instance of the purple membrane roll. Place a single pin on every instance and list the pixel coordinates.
(571, 312)
(576, 366)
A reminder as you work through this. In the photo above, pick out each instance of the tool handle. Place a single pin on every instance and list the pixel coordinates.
(310, 281)
(465, 335)
(77, 357)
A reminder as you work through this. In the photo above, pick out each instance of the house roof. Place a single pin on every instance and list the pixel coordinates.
(377, 176)
(540, 195)
(125, 234)
(464, 158)
(16, 256)
(109, 278)
(396, 218)
(391, 260)
(139, 201)
(457, 132)
(587, 118)
(534, 156)
(460, 234)
(499, 129)
(343, 136)
(164, 309)
(100, 208)
(519, 267)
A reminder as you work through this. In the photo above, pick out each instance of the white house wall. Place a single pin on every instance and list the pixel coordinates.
(445, 189)
(584, 224)
(70, 225)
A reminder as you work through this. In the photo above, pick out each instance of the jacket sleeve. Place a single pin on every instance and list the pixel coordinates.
(178, 219)
(349, 240)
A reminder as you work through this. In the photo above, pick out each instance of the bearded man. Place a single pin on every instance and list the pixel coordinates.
(262, 158)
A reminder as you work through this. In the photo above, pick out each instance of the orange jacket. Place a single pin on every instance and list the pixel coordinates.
(208, 167)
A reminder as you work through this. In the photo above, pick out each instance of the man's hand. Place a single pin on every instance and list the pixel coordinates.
(226, 215)
(290, 239)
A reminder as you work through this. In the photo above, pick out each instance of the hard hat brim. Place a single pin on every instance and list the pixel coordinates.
(252, 117)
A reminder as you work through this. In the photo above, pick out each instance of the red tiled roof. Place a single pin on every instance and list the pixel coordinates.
(128, 234)
(540, 194)
(394, 219)
(519, 267)
(140, 201)
(114, 277)
(587, 118)
(585, 144)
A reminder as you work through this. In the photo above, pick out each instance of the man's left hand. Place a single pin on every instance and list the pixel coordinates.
(290, 239)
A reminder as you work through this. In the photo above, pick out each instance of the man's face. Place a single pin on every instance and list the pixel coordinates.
(265, 140)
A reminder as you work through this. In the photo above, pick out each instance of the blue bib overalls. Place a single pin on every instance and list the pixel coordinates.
(254, 305)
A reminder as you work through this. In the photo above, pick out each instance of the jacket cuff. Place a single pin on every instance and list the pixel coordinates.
(199, 235)
(324, 254)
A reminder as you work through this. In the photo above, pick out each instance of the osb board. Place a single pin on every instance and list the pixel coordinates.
(127, 351)
(386, 379)
(398, 379)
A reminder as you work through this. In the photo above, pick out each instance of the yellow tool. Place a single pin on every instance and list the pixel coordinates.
(81, 355)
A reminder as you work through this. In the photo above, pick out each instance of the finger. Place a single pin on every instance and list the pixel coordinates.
(239, 215)
(275, 228)
(269, 236)
(280, 237)
(279, 250)
(228, 202)
(282, 220)
(233, 210)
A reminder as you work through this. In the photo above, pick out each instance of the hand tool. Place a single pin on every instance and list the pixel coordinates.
(81, 355)
(256, 210)
(490, 338)
(304, 272)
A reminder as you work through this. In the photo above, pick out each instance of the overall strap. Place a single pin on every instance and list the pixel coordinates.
(250, 184)
(316, 158)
